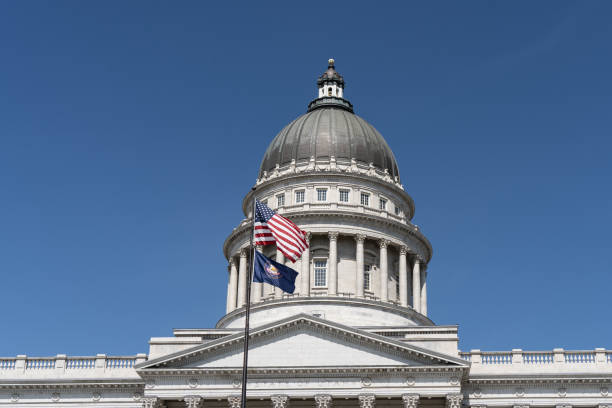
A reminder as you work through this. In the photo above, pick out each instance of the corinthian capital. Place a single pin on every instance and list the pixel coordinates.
(410, 400)
(308, 236)
(367, 401)
(360, 238)
(323, 400)
(454, 400)
(243, 252)
(403, 250)
(150, 402)
(280, 401)
(383, 243)
(193, 402)
(234, 401)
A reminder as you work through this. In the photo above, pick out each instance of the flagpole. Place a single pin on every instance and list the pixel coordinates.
(245, 354)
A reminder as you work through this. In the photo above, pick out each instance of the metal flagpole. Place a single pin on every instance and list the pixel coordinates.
(245, 360)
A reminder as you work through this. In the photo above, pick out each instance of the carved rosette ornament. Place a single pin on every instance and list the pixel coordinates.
(410, 400)
(193, 402)
(96, 396)
(15, 397)
(604, 391)
(454, 400)
(55, 397)
(234, 401)
(367, 401)
(562, 392)
(323, 400)
(279, 401)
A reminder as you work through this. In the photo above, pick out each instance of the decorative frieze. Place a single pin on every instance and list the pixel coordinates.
(410, 400)
(323, 400)
(367, 401)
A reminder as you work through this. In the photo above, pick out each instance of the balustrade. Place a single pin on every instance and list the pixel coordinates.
(78, 363)
(538, 357)
(579, 356)
(40, 363)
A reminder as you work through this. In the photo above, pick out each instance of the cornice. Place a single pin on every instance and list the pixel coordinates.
(245, 226)
(541, 379)
(80, 384)
(384, 306)
(337, 371)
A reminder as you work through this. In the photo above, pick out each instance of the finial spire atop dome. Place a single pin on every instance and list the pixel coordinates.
(331, 89)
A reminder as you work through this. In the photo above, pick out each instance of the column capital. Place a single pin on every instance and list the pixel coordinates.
(333, 235)
(410, 400)
(383, 243)
(234, 401)
(243, 252)
(151, 402)
(367, 401)
(279, 401)
(323, 400)
(232, 261)
(360, 237)
(454, 400)
(308, 236)
(193, 401)
(403, 250)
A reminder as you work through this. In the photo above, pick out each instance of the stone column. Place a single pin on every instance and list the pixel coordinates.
(453, 400)
(323, 400)
(305, 289)
(360, 239)
(280, 258)
(367, 401)
(384, 271)
(332, 285)
(233, 285)
(257, 287)
(193, 402)
(279, 401)
(234, 401)
(410, 400)
(424, 292)
(403, 277)
(242, 278)
(416, 285)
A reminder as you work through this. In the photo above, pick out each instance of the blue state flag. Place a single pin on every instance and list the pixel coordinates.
(274, 273)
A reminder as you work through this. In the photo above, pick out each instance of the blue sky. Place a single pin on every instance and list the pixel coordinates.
(130, 132)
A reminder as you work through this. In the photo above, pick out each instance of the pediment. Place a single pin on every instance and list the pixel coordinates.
(303, 341)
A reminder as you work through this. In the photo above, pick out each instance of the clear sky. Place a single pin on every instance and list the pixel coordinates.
(130, 132)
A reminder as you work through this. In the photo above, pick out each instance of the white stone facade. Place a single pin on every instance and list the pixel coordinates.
(355, 332)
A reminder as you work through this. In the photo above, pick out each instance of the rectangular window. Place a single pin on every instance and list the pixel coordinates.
(320, 273)
(299, 196)
(366, 277)
(365, 199)
(280, 200)
(397, 210)
(344, 196)
(321, 194)
(383, 204)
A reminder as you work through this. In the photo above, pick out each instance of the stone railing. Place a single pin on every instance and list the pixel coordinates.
(557, 357)
(67, 366)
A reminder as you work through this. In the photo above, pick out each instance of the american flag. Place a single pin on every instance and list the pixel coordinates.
(271, 227)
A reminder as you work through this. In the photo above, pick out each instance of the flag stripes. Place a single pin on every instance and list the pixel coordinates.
(271, 227)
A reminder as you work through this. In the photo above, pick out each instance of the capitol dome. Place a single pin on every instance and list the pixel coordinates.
(333, 175)
(329, 131)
